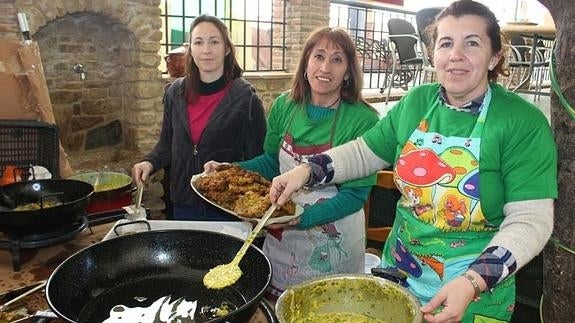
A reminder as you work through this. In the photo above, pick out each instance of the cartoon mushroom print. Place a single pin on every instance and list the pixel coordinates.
(423, 167)
(405, 261)
(469, 184)
(461, 160)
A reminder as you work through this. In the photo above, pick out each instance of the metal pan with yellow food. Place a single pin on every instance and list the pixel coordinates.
(242, 193)
(43, 204)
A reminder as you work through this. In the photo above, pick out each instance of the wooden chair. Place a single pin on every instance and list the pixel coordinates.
(387, 185)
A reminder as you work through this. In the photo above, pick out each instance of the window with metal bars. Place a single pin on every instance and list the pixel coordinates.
(366, 22)
(257, 28)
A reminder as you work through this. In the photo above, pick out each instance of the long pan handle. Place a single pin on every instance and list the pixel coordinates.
(139, 196)
(19, 297)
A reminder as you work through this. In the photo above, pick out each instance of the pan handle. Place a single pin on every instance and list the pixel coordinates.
(38, 317)
(131, 223)
(391, 273)
(41, 285)
(7, 202)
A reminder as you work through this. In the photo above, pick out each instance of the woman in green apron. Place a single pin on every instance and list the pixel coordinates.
(476, 166)
(324, 109)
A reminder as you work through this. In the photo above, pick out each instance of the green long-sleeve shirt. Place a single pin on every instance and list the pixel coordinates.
(310, 126)
(347, 201)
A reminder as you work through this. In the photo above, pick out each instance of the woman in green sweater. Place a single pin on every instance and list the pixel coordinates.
(324, 109)
(477, 168)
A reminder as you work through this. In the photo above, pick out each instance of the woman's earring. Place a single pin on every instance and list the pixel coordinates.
(490, 67)
(305, 75)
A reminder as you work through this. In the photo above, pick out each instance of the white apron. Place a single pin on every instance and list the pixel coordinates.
(299, 255)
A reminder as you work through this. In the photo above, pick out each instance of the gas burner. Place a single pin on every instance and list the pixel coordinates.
(19, 239)
(102, 217)
(15, 239)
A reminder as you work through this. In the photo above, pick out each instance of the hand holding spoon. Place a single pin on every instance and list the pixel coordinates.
(225, 275)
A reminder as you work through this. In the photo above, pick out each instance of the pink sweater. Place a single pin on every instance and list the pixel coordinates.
(199, 113)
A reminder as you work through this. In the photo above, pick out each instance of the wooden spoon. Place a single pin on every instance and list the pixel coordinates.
(134, 211)
(139, 197)
(225, 275)
(97, 181)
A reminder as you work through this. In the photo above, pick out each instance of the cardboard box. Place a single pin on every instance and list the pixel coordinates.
(23, 90)
(16, 98)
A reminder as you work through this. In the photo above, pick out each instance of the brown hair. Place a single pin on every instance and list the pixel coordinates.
(351, 89)
(232, 69)
(469, 7)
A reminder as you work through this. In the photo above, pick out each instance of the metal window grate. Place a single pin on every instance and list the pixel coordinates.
(367, 25)
(257, 28)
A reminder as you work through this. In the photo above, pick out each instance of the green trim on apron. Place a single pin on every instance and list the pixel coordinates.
(440, 228)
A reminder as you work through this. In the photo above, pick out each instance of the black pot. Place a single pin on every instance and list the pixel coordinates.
(71, 197)
(136, 270)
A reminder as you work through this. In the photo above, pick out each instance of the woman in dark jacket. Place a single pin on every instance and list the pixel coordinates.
(211, 113)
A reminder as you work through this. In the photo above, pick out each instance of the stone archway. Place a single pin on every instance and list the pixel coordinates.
(117, 42)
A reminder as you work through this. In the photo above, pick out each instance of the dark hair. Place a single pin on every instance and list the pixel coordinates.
(469, 7)
(351, 89)
(232, 69)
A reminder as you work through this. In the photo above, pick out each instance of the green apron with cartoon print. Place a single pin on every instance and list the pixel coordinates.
(440, 228)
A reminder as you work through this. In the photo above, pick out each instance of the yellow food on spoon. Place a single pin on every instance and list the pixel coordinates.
(227, 274)
(222, 276)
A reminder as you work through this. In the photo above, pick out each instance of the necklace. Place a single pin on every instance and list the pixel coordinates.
(331, 105)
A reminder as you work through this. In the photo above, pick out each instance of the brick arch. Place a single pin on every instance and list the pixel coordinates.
(130, 14)
(145, 87)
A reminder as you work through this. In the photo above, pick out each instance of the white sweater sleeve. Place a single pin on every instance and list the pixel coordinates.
(526, 229)
(524, 232)
(354, 160)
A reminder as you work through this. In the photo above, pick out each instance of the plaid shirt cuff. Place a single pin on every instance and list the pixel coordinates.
(321, 170)
(494, 265)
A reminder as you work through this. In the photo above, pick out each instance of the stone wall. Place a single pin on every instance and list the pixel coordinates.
(117, 42)
(269, 85)
(89, 104)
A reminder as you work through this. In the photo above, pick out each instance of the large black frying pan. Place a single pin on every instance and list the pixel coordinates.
(68, 199)
(137, 269)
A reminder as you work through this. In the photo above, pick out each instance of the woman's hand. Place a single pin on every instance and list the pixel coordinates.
(141, 172)
(455, 296)
(285, 184)
(212, 166)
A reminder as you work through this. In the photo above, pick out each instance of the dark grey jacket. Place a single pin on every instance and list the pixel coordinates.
(234, 132)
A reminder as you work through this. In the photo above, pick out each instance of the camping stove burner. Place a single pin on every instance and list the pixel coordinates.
(15, 240)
